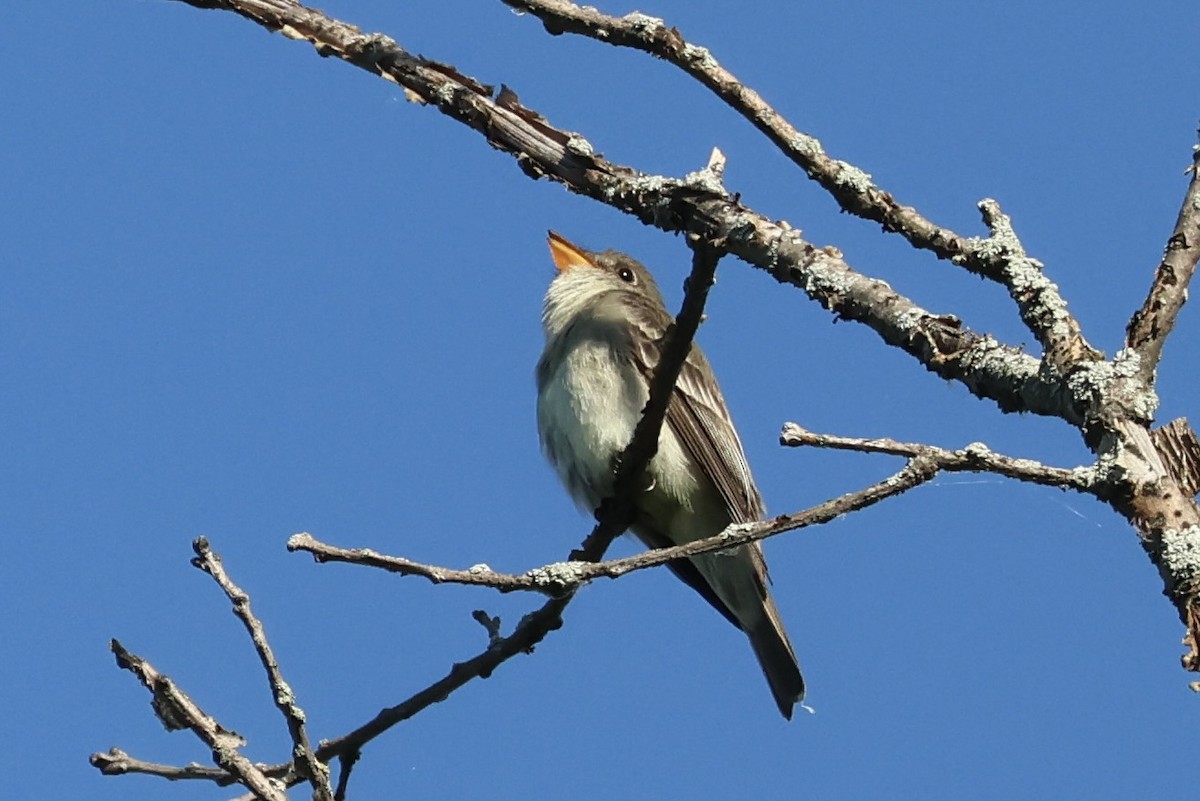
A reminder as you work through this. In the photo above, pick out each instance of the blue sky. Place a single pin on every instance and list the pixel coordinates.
(249, 291)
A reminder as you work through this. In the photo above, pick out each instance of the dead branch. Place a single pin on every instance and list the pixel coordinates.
(1150, 325)
(1000, 257)
(307, 766)
(566, 577)
(974, 458)
(177, 711)
(988, 368)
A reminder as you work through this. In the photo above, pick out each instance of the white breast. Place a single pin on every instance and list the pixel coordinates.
(587, 411)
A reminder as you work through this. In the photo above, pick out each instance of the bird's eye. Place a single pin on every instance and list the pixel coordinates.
(626, 275)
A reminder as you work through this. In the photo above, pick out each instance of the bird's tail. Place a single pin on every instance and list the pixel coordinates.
(776, 657)
(737, 584)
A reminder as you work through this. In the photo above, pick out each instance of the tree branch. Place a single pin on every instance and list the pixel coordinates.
(115, 762)
(309, 767)
(531, 630)
(177, 711)
(618, 513)
(567, 577)
(1000, 257)
(1148, 328)
(1111, 402)
(989, 369)
(1039, 303)
(975, 458)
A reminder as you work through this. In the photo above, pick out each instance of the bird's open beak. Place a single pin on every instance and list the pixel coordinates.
(565, 254)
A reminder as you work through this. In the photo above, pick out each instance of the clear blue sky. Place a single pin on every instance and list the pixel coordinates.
(229, 267)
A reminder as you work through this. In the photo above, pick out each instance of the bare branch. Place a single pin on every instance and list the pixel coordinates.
(347, 748)
(1148, 328)
(177, 711)
(999, 257)
(988, 368)
(478, 575)
(116, 762)
(567, 577)
(975, 458)
(849, 185)
(1041, 307)
(309, 768)
(529, 632)
(916, 472)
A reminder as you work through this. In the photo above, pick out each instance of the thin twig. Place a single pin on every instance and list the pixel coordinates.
(115, 762)
(567, 577)
(529, 632)
(310, 769)
(974, 458)
(347, 761)
(177, 711)
(549, 581)
(1150, 325)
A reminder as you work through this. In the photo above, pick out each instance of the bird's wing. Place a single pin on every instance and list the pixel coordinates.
(700, 419)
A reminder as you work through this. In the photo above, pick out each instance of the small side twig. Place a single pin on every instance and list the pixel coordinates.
(115, 762)
(490, 624)
(177, 711)
(1038, 300)
(347, 761)
(310, 767)
(974, 458)
(532, 629)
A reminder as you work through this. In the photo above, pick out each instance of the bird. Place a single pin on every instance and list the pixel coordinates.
(604, 318)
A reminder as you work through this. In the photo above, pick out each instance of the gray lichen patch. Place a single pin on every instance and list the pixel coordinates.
(850, 176)
(559, 574)
(644, 23)
(1181, 552)
(1115, 383)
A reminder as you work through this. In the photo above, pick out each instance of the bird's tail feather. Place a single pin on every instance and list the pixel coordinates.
(738, 579)
(778, 661)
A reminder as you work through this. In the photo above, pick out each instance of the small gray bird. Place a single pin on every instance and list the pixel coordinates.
(604, 318)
